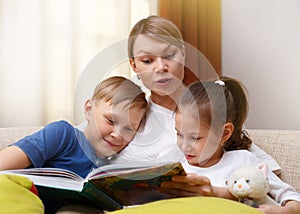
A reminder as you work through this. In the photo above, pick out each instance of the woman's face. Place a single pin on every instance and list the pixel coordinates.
(159, 65)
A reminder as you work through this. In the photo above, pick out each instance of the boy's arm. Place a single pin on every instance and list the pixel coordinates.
(13, 157)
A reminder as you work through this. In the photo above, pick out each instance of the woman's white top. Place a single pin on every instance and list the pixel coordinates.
(156, 142)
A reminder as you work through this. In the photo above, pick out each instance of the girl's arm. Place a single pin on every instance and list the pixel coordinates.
(13, 157)
(291, 207)
(194, 185)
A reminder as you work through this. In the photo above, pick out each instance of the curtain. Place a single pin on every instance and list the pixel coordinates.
(200, 24)
(46, 44)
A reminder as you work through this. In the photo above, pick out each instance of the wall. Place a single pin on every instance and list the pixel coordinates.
(261, 47)
(46, 45)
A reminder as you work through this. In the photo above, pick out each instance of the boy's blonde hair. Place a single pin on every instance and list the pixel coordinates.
(117, 89)
(157, 28)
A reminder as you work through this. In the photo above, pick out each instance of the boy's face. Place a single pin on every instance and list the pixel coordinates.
(199, 144)
(111, 128)
(159, 65)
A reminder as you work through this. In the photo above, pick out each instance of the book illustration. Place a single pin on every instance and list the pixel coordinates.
(137, 187)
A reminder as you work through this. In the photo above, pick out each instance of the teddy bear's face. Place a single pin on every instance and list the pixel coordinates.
(242, 187)
(248, 182)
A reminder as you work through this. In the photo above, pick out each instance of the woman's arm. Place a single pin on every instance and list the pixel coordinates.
(13, 157)
(194, 185)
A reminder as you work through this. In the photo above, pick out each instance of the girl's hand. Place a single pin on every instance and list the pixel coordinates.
(189, 185)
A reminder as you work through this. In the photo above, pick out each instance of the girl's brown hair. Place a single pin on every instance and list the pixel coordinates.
(219, 102)
(157, 28)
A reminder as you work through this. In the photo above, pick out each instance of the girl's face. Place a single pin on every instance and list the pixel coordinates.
(159, 65)
(199, 144)
(111, 128)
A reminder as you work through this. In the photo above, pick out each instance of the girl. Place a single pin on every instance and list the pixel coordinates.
(209, 121)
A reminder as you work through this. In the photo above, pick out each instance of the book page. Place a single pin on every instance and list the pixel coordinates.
(117, 169)
(50, 177)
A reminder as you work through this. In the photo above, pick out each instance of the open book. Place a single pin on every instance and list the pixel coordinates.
(108, 187)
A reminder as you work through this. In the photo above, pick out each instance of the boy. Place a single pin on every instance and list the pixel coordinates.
(114, 114)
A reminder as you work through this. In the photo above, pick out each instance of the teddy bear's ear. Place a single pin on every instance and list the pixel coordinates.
(263, 167)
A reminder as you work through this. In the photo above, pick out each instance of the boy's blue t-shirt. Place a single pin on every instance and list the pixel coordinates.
(60, 145)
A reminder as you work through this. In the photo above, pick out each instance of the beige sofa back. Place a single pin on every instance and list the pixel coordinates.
(11, 135)
(283, 145)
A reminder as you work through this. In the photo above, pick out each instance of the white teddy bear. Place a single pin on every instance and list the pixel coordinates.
(250, 185)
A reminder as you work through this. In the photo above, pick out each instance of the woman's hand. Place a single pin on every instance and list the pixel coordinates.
(189, 185)
(194, 185)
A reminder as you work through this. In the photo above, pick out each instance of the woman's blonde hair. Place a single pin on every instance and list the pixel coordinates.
(157, 28)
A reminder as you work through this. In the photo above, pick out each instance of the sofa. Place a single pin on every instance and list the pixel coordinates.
(282, 145)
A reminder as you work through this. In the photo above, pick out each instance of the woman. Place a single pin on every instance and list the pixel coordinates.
(156, 52)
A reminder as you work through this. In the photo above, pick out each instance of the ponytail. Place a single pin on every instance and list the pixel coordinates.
(237, 111)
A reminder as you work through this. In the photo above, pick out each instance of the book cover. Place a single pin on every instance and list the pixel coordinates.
(110, 187)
